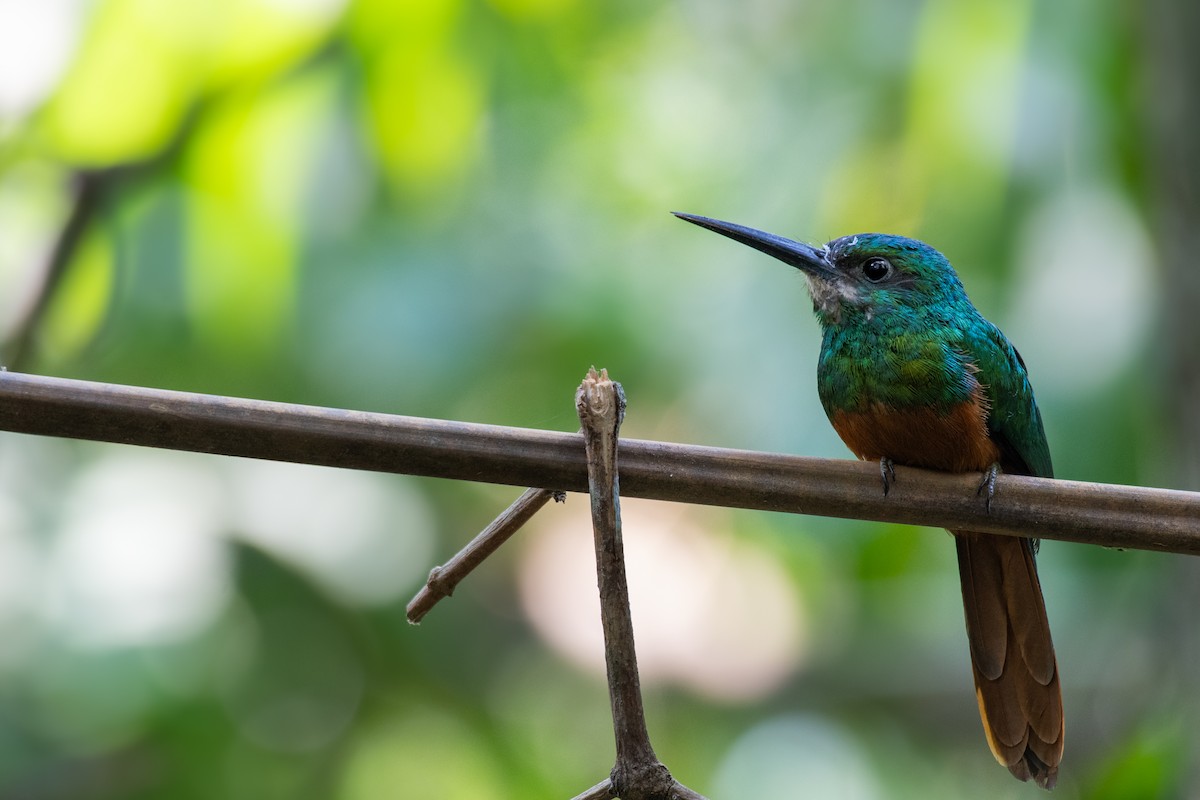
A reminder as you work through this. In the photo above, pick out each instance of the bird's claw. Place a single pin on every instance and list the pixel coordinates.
(887, 472)
(989, 484)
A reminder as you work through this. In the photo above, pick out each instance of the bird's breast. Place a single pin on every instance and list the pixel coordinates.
(906, 392)
(953, 439)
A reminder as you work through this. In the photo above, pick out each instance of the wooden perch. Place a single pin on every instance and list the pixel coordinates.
(1104, 514)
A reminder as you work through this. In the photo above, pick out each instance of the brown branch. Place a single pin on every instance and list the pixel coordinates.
(87, 190)
(93, 188)
(1104, 514)
(443, 579)
(637, 773)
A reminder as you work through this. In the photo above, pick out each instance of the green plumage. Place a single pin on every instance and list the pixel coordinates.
(915, 340)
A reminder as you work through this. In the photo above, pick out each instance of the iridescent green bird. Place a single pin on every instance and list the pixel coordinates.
(911, 373)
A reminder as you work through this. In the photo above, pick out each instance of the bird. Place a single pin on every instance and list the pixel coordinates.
(911, 373)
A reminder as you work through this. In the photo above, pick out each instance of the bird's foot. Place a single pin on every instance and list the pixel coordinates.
(887, 472)
(988, 484)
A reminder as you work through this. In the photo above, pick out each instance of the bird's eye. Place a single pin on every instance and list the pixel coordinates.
(876, 269)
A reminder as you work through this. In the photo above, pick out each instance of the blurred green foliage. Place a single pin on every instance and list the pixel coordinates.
(452, 208)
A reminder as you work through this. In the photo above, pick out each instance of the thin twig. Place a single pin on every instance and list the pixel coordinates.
(443, 579)
(87, 190)
(637, 773)
(1104, 514)
(92, 190)
(601, 791)
(94, 187)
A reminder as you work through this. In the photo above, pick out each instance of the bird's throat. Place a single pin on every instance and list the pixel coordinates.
(829, 297)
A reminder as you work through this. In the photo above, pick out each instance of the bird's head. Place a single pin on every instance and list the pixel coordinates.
(857, 277)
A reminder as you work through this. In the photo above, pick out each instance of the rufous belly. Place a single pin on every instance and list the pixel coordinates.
(955, 440)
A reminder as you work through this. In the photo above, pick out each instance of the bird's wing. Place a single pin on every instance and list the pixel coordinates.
(1014, 423)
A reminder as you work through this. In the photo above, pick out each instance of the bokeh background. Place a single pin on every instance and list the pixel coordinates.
(451, 208)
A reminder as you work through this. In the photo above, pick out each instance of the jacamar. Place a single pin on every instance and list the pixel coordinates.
(911, 373)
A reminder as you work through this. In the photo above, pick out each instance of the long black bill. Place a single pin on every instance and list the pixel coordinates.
(799, 255)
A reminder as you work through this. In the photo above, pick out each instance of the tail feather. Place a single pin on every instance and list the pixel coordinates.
(985, 608)
(1012, 655)
(1023, 593)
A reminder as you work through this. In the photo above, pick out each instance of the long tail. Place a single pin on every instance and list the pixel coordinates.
(1012, 656)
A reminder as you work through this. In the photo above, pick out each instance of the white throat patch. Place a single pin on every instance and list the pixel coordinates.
(830, 296)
